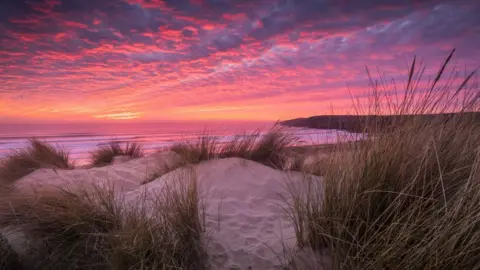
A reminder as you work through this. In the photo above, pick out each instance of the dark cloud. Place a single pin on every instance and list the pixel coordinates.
(88, 6)
(98, 21)
(283, 15)
(213, 9)
(97, 36)
(226, 42)
(187, 33)
(154, 57)
(333, 16)
(128, 18)
(17, 9)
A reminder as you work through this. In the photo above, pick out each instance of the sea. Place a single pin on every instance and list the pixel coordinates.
(80, 139)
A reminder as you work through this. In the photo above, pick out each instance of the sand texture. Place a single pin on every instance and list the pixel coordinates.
(125, 176)
(246, 226)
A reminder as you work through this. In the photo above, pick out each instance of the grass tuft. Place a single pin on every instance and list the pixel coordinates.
(98, 229)
(38, 154)
(269, 149)
(9, 259)
(408, 197)
(104, 155)
(193, 152)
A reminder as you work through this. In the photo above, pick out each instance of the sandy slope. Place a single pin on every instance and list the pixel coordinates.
(125, 176)
(245, 223)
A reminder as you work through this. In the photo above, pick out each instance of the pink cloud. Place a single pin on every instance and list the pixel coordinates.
(251, 60)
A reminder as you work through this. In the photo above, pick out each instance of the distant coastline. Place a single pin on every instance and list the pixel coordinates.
(356, 123)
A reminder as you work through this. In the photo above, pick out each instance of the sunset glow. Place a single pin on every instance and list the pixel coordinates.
(215, 59)
(119, 116)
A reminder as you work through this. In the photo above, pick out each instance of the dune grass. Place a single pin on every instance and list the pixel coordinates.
(271, 149)
(104, 155)
(38, 154)
(8, 257)
(268, 149)
(99, 229)
(408, 198)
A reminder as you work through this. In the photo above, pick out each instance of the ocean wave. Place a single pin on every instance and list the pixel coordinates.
(81, 144)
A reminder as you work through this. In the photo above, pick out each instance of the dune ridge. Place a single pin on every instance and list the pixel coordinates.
(245, 224)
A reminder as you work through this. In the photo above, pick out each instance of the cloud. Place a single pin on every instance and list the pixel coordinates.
(153, 58)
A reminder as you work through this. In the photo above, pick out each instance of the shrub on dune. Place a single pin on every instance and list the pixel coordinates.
(271, 149)
(9, 259)
(408, 198)
(193, 152)
(268, 149)
(99, 229)
(242, 145)
(37, 155)
(104, 155)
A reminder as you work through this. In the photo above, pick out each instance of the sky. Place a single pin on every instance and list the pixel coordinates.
(125, 60)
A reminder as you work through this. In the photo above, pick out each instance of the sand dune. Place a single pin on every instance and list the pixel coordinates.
(245, 222)
(246, 227)
(125, 176)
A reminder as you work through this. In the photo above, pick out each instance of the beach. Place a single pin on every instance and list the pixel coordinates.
(80, 139)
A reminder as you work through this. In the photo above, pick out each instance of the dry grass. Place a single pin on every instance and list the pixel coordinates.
(317, 164)
(409, 198)
(268, 149)
(104, 155)
(193, 152)
(9, 259)
(37, 155)
(297, 163)
(99, 229)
